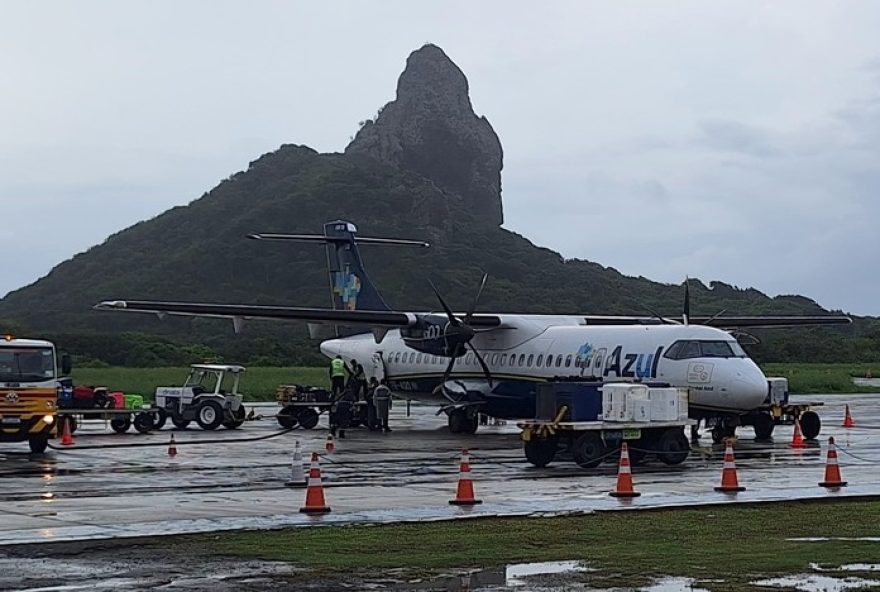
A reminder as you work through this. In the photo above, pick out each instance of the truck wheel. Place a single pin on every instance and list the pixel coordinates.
(588, 450)
(143, 422)
(38, 444)
(120, 424)
(636, 455)
(287, 418)
(810, 424)
(673, 447)
(179, 422)
(540, 452)
(236, 418)
(209, 415)
(764, 425)
(307, 418)
(160, 416)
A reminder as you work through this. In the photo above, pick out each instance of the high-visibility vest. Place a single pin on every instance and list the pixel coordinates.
(337, 367)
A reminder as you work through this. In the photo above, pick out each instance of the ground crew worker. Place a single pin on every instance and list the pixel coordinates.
(337, 375)
(371, 404)
(382, 400)
(357, 380)
(341, 417)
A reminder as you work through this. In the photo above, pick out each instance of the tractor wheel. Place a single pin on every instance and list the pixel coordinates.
(235, 418)
(160, 416)
(209, 415)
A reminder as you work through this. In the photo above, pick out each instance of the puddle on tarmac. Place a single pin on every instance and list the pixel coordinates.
(817, 583)
(846, 567)
(673, 585)
(515, 576)
(869, 539)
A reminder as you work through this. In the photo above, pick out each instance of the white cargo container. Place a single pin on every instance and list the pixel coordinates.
(618, 400)
(665, 404)
(641, 409)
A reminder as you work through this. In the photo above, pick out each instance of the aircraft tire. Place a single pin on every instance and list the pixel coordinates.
(763, 424)
(540, 453)
(811, 425)
(458, 422)
(588, 450)
(673, 447)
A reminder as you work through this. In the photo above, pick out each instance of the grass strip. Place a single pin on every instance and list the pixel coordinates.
(722, 541)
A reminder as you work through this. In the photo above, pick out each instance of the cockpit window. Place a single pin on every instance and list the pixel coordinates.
(688, 349)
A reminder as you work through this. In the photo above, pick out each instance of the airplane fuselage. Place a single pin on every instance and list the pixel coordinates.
(708, 361)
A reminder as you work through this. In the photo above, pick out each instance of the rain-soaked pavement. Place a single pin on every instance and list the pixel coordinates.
(410, 474)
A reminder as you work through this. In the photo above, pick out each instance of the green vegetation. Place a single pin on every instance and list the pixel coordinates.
(193, 253)
(823, 378)
(735, 543)
(257, 384)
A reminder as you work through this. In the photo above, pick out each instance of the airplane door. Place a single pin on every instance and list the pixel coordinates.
(378, 370)
(598, 363)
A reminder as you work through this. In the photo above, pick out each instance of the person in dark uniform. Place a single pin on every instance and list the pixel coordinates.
(342, 409)
(371, 405)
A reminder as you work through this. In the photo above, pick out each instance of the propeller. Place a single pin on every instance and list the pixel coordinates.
(458, 335)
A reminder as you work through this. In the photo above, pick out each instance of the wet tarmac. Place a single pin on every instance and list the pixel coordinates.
(408, 475)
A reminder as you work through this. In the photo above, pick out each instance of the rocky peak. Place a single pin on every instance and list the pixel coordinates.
(431, 129)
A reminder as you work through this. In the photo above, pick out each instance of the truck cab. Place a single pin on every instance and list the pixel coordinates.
(29, 376)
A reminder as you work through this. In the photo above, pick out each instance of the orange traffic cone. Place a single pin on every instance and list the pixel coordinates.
(797, 440)
(832, 469)
(315, 503)
(172, 447)
(465, 494)
(729, 482)
(66, 436)
(330, 445)
(848, 421)
(624, 476)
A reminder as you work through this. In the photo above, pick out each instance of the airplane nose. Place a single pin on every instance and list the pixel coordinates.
(750, 386)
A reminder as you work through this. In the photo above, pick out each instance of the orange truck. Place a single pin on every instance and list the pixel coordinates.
(29, 375)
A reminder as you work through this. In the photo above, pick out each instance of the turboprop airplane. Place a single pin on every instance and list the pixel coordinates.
(473, 363)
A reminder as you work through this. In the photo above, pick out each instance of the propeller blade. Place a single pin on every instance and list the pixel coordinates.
(663, 320)
(470, 312)
(452, 320)
(451, 365)
(482, 363)
(715, 316)
(686, 310)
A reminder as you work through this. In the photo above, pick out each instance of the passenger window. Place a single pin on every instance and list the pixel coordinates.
(494, 359)
(540, 360)
(503, 359)
(419, 359)
(568, 360)
(513, 359)
(412, 357)
(469, 359)
(531, 359)
(433, 359)
(522, 359)
(559, 360)
(549, 360)
(397, 358)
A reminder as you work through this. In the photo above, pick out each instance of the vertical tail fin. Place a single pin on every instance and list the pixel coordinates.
(350, 287)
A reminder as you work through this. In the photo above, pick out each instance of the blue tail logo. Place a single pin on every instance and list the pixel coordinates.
(347, 286)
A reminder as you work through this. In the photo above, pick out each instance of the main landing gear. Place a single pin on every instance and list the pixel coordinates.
(463, 420)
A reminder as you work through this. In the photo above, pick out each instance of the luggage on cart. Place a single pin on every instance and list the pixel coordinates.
(134, 402)
(117, 400)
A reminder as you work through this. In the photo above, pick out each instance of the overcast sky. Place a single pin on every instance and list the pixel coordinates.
(736, 141)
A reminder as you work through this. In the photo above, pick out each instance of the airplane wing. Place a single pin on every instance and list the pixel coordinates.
(238, 312)
(724, 322)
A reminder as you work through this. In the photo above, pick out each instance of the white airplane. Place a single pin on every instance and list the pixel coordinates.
(473, 363)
